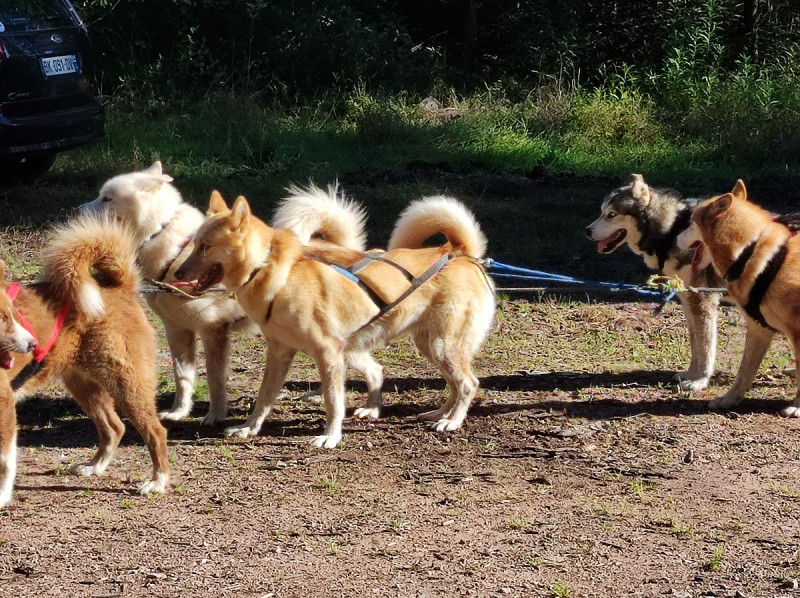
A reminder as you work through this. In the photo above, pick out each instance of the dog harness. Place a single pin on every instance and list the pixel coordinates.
(662, 246)
(415, 282)
(39, 352)
(759, 289)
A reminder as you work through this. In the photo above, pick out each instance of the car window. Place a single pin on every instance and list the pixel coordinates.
(33, 15)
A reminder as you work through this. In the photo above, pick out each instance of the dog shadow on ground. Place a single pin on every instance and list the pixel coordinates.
(61, 423)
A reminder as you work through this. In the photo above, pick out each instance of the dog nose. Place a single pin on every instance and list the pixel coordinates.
(32, 344)
(588, 232)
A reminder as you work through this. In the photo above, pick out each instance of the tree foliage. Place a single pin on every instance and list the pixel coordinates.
(288, 48)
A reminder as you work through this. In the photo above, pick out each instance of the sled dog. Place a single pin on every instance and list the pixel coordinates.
(82, 323)
(332, 302)
(758, 257)
(164, 226)
(649, 220)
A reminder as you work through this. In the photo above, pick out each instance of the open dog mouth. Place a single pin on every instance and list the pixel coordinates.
(697, 257)
(6, 359)
(611, 242)
(209, 278)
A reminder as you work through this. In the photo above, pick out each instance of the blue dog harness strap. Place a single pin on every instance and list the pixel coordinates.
(383, 307)
(352, 276)
(377, 256)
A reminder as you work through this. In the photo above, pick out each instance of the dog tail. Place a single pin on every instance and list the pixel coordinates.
(85, 254)
(312, 212)
(439, 215)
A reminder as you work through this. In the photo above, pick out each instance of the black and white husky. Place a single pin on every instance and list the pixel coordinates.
(649, 220)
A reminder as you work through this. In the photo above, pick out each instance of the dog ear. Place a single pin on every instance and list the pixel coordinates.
(719, 204)
(639, 189)
(739, 190)
(155, 171)
(240, 214)
(216, 203)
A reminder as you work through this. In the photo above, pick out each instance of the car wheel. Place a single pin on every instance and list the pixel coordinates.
(25, 168)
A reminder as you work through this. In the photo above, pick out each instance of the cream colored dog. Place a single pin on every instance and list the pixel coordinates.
(331, 302)
(164, 225)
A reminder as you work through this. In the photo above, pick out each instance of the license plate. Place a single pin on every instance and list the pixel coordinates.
(59, 65)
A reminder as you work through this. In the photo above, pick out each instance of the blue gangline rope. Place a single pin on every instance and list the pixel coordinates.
(506, 271)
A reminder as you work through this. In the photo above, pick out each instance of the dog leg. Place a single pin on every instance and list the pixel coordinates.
(793, 410)
(182, 345)
(373, 374)
(700, 311)
(453, 360)
(331, 372)
(279, 358)
(217, 347)
(463, 386)
(8, 444)
(755, 347)
(142, 415)
(133, 386)
(99, 406)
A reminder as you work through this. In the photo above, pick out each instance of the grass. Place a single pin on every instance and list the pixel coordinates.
(533, 174)
(717, 559)
(330, 481)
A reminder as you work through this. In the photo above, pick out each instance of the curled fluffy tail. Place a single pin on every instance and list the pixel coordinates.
(312, 212)
(439, 215)
(86, 245)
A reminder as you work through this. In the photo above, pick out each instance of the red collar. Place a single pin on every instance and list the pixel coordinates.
(40, 351)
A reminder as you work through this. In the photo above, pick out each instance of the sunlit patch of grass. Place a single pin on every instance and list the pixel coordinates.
(329, 481)
(786, 490)
(717, 559)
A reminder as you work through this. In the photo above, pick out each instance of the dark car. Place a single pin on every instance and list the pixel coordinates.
(47, 102)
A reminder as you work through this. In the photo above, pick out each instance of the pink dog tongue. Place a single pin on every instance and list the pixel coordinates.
(601, 245)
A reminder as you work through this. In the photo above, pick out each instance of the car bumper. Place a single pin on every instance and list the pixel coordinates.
(51, 132)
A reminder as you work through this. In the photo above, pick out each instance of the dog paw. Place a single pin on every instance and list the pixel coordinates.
(790, 411)
(367, 412)
(725, 401)
(243, 431)
(157, 486)
(213, 418)
(83, 469)
(174, 415)
(446, 425)
(691, 385)
(327, 441)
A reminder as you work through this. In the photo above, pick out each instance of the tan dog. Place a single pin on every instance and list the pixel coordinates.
(164, 225)
(105, 351)
(760, 261)
(13, 339)
(304, 299)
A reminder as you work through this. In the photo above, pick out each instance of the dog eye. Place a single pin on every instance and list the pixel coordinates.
(204, 248)
(106, 199)
(611, 215)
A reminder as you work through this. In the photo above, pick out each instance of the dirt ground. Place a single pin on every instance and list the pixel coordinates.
(580, 472)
